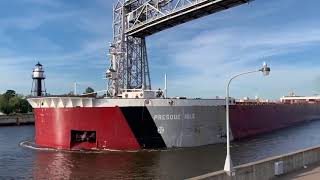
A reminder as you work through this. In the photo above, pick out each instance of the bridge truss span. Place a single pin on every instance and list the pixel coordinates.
(133, 21)
(146, 17)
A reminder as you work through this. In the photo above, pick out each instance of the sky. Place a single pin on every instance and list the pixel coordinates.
(71, 38)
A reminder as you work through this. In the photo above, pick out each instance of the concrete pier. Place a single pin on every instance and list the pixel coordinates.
(267, 169)
(309, 173)
(16, 120)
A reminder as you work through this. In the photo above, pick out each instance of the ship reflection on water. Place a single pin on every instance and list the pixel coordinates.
(172, 164)
(49, 164)
(21, 162)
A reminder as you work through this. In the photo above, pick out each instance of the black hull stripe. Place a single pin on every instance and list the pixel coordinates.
(143, 127)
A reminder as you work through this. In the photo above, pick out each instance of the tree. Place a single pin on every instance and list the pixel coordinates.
(24, 106)
(19, 104)
(89, 90)
(10, 103)
(5, 107)
(9, 94)
(14, 102)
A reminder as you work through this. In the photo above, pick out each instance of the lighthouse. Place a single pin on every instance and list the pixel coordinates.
(38, 77)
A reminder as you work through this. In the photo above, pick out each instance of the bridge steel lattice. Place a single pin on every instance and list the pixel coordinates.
(134, 20)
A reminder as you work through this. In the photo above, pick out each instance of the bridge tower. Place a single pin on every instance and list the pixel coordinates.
(129, 68)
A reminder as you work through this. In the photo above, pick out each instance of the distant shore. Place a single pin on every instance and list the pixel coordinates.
(17, 119)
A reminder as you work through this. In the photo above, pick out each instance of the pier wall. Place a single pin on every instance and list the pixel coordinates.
(16, 120)
(265, 169)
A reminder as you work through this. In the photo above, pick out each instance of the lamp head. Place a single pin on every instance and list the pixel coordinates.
(265, 69)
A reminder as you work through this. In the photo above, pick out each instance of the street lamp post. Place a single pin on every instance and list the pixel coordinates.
(228, 163)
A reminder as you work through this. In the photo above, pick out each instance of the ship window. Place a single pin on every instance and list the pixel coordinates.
(83, 136)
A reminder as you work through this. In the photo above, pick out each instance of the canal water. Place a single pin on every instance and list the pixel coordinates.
(19, 162)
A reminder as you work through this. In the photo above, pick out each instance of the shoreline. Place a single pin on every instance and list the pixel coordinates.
(16, 120)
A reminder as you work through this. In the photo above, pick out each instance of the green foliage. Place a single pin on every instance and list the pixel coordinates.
(9, 94)
(14, 102)
(89, 90)
(10, 103)
(5, 107)
(24, 106)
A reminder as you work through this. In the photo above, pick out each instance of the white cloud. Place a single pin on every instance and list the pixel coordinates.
(213, 56)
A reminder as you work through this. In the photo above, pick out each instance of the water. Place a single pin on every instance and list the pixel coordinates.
(17, 162)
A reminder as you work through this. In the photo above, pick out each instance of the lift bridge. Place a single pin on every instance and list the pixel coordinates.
(133, 21)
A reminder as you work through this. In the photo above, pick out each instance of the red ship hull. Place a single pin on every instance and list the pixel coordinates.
(54, 126)
(253, 119)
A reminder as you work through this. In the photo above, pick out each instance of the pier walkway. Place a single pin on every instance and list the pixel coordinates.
(292, 168)
(310, 173)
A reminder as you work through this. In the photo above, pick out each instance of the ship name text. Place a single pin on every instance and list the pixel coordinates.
(173, 116)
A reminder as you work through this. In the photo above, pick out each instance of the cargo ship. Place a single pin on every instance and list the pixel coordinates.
(74, 123)
(132, 116)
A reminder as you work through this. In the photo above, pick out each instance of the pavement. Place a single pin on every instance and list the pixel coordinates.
(312, 172)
